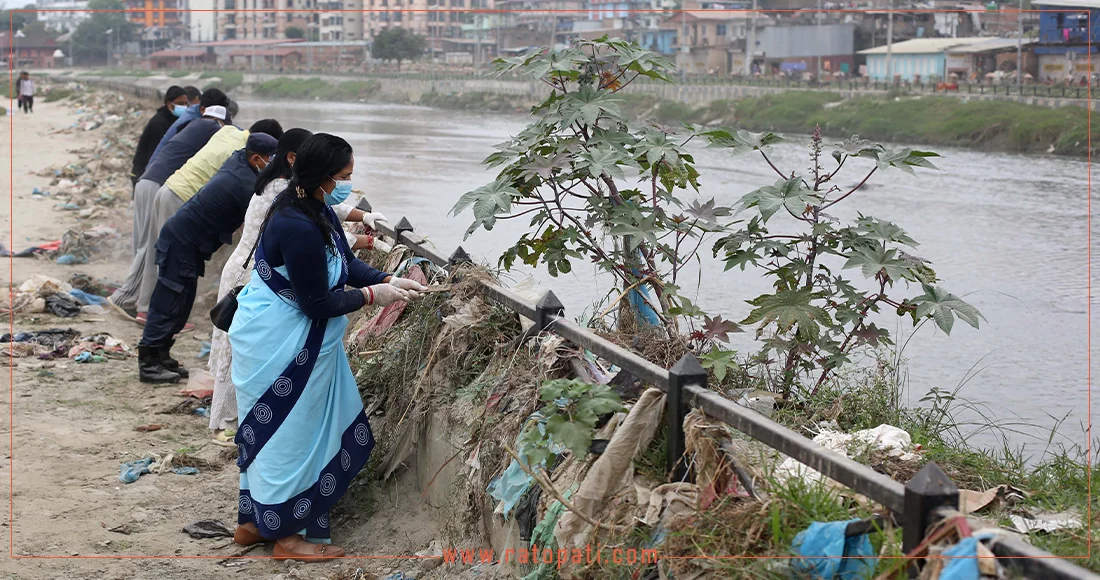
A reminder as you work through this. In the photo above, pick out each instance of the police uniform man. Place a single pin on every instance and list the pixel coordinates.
(188, 239)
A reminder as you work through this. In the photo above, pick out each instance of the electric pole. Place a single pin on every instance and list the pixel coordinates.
(750, 40)
(1020, 49)
(890, 41)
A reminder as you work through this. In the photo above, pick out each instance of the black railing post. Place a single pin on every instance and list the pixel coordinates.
(686, 371)
(928, 491)
(402, 226)
(548, 306)
(459, 256)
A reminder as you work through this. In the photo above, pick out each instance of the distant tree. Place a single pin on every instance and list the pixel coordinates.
(20, 19)
(90, 39)
(295, 32)
(398, 44)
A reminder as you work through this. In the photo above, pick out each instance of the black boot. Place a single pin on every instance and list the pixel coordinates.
(151, 368)
(171, 363)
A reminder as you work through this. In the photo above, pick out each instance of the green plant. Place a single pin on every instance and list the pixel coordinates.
(816, 315)
(572, 409)
(398, 44)
(569, 171)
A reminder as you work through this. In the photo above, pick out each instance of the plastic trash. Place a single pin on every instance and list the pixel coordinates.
(202, 412)
(62, 305)
(205, 352)
(93, 310)
(131, 471)
(186, 470)
(39, 192)
(968, 559)
(828, 553)
(68, 206)
(69, 260)
(207, 529)
(87, 299)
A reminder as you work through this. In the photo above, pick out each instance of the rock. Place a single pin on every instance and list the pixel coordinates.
(431, 557)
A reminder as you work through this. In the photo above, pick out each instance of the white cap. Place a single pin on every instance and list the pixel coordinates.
(215, 111)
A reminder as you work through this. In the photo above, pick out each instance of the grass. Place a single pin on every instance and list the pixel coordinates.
(227, 80)
(58, 94)
(179, 74)
(317, 88)
(933, 121)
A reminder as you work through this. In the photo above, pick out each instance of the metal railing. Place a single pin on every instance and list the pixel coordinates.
(917, 506)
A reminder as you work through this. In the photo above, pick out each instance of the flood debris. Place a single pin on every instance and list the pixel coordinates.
(204, 529)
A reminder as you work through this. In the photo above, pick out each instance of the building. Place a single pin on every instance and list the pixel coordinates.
(35, 50)
(974, 61)
(531, 23)
(702, 40)
(802, 48)
(186, 58)
(200, 20)
(267, 19)
(1066, 39)
(157, 14)
(919, 59)
(61, 15)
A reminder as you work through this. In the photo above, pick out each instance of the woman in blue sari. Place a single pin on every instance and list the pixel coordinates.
(303, 435)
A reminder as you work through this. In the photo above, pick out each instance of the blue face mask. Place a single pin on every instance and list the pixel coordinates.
(178, 110)
(339, 193)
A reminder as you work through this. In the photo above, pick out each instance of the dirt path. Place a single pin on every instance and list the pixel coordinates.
(73, 425)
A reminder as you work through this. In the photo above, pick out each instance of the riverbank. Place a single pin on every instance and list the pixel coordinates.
(993, 126)
(975, 122)
(73, 424)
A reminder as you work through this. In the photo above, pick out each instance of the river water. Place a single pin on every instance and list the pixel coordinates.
(1007, 232)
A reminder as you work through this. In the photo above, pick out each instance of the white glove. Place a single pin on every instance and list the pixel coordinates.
(382, 246)
(372, 218)
(384, 295)
(412, 287)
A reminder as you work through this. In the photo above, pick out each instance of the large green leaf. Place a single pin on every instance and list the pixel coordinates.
(787, 309)
(741, 141)
(791, 194)
(943, 307)
(873, 261)
(605, 160)
(583, 107)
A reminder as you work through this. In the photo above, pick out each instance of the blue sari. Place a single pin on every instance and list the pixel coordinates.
(303, 434)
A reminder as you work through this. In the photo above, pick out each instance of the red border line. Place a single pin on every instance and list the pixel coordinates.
(594, 8)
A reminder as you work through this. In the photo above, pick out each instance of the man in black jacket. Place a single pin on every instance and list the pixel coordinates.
(188, 239)
(175, 103)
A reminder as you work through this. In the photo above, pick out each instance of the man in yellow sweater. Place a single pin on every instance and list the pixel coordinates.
(184, 184)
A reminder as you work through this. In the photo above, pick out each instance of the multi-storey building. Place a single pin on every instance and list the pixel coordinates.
(61, 15)
(165, 15)
(267, 19)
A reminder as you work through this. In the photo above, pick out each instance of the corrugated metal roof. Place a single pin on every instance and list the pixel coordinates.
(924, 45)
(989, 44)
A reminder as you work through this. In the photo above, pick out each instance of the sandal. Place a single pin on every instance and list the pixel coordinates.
(243, 537)
(318, 553)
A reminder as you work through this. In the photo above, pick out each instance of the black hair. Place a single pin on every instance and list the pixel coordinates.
(280, 168)
(193, 93)
(212, 97)
(318, 159)
(173, 93)
(269, 126)
(233, 109)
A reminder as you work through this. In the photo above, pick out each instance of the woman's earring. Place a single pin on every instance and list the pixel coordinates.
(301, 192)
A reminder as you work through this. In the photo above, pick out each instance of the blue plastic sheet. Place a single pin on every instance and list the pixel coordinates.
(962, 559)
(88, 299)
(826, 553)
(509, 487)
(131, 471)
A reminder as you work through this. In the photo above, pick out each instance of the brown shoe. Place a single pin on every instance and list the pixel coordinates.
(244, 537)
(308, 552)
